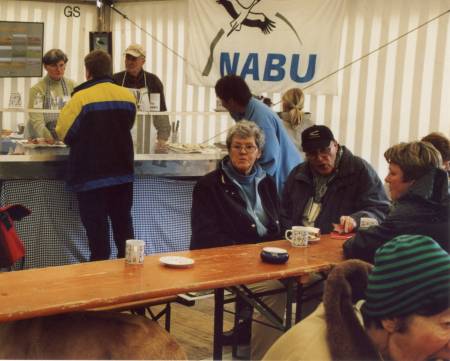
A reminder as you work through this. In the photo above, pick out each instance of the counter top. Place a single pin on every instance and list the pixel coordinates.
(53, 166)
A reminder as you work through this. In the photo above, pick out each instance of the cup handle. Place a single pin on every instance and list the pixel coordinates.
(287, 234)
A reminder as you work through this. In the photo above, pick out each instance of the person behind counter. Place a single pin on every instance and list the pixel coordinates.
(295, 120)
(96, 124)
(51, 92)
(280, 155)
(148, 90)
(238, 204)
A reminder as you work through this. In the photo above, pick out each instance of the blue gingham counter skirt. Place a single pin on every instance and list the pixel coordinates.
(53, 234)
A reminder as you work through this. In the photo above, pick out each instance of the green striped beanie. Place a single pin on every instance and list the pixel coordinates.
(409, 272)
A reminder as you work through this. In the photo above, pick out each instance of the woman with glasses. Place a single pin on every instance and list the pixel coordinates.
(51, 92)
(237, 204)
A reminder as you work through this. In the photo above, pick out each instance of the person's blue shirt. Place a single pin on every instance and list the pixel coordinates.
(280, 155)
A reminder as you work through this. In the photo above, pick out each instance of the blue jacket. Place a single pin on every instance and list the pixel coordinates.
(96, 125)
(423, 210)
(356, 191)
(219, 214)
(280, 155)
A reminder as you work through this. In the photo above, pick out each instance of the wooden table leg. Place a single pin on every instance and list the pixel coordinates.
(218, 323)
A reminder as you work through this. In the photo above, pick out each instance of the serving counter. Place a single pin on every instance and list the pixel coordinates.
(53, 233)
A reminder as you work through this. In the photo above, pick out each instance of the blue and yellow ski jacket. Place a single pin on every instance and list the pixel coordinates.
(96, 125)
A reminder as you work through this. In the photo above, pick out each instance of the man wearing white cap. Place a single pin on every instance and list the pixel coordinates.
(148, 90)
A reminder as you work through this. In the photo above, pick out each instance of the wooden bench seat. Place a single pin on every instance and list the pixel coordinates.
(141, 306)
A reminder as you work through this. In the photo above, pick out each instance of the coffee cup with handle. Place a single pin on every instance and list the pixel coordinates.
(300, 236)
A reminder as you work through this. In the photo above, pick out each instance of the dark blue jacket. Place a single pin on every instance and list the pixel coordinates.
(355, 191)
(219, 214)
(423, 210)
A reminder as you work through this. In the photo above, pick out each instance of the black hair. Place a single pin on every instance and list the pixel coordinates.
(233, 87)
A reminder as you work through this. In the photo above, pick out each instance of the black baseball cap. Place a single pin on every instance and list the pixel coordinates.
(315, 137)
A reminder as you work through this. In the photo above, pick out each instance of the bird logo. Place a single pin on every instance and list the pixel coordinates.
(244, 15)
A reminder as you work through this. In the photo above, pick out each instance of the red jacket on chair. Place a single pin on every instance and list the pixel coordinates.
(11, 247)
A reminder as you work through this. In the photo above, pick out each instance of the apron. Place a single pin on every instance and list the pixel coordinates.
(54, 102)
(143, 104)
(141, 95)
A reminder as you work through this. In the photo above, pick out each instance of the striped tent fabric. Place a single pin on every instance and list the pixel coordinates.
(409, 272)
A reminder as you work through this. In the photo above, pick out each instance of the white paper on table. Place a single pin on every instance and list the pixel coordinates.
(155, 101)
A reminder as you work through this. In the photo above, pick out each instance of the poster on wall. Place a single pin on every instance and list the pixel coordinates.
(273, 44)
(100, 41)
(21, 49)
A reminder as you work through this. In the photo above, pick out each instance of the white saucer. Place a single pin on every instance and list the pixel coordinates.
(176, 261)
(317, 239)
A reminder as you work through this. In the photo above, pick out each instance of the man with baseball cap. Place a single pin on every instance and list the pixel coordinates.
(331, 186)
(148, 90)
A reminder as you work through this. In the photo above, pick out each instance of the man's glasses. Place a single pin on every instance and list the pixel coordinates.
(319, 152)
(249, 148)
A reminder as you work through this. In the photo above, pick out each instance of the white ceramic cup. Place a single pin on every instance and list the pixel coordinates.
(299, 236)
(135, 251)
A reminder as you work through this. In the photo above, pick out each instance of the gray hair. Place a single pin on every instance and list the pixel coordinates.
(246, 129)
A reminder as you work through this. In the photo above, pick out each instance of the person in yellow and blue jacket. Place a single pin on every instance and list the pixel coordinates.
(96, 124)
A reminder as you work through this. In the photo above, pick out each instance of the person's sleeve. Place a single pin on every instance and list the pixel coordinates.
(269, 160)
(161, 122)
(206, 227)
(36, 120)
(372, 201)
(162, 125)
(366, 242)
(286, 206)
(69, 120)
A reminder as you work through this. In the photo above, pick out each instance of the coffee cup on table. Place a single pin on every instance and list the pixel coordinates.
(299, 236)
(134, 251)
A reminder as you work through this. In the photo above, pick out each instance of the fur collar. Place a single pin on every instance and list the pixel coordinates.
(346, 336)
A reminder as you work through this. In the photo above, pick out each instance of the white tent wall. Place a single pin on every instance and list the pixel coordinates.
(399, 93)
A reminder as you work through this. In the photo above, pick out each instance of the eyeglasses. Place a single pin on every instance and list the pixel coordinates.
(57, 66)
(249, 148)
(318, 152)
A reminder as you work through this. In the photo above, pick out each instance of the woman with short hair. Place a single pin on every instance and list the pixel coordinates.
(51, 92)
(238, 204)
(419, 191)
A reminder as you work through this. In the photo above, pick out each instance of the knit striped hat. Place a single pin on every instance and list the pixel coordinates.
(409, 273)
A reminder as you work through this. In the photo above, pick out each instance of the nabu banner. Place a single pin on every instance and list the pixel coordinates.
(273, 44)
